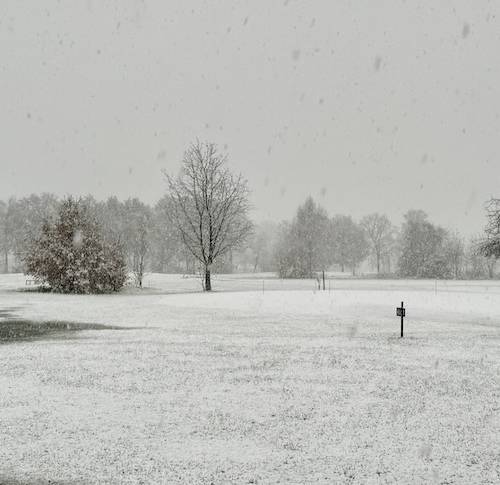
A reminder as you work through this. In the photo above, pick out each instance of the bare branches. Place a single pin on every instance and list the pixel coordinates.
(379, 230)
(490, 246)
(210, 204)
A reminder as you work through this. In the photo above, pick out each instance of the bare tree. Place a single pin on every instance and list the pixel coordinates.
(137, 229)
(454, 250)
(422, 248)
(260, 251)
(209, 206)
(348, 242)
(490, 246)
(166, 247)
(302, 247)
(23, 222)
(141, 248)
(379, 230)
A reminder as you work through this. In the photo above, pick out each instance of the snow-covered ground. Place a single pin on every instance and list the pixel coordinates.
(262, 381)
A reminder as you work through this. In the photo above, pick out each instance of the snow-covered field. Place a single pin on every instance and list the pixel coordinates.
(263, 381)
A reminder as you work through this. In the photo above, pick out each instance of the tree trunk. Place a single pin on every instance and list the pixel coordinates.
(256, 263)
(491, 267)
(378, 263)
(208, 283)
(6, 261)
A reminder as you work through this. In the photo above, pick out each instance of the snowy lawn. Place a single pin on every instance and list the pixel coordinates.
(282, 385)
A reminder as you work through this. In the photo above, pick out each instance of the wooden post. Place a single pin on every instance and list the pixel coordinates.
(401, 312)
(402, 317)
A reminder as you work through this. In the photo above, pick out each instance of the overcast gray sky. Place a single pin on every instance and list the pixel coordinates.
(368, 106)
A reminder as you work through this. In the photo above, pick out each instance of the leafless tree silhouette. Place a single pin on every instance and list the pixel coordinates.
(209, 206)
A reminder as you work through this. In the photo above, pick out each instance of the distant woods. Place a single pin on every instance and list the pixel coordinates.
(201, 226)
(311, 242)
(314, 242)
(143, 232)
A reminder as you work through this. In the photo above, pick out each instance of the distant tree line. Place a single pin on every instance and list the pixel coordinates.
(143, 232)
(311, 242)
(201, 226)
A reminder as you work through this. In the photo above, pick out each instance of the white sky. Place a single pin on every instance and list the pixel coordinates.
(368, 106)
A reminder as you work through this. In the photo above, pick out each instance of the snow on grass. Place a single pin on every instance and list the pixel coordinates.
(256, 387)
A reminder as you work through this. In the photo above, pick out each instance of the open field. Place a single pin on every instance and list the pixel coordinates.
(269, 382)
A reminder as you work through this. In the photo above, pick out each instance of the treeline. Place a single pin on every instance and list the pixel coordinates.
(143, 232)
(313, 241)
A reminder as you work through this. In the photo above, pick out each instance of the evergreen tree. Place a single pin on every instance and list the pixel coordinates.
(71, 255)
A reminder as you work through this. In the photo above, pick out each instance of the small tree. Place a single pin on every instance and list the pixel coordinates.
(348, 242)
(379, 230)
(339, 239)
(454, 250)
(477, 266)
(260, 250)
(209, 206)
(111, 216)
(285, 254)
(359, 247)
(166, 246)
(302, 245)
(71, 256)
(422, 248)
(137, 236)
(310, 231)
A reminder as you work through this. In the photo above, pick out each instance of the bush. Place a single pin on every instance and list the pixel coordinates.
(72, 256)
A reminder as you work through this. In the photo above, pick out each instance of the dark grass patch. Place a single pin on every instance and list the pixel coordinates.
(13, 481)
(7, 313)
(14, 329)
